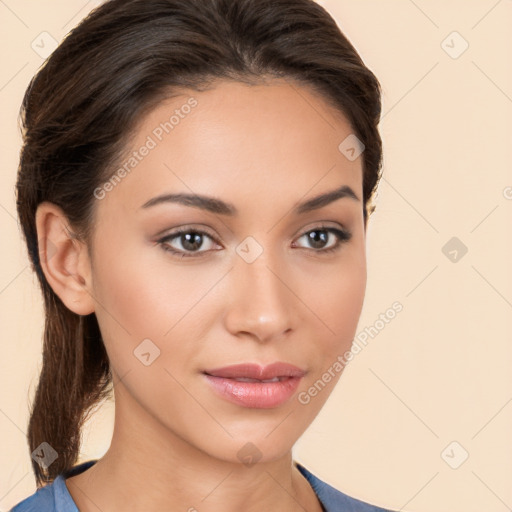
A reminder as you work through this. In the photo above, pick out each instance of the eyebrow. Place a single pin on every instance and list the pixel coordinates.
(217, 206)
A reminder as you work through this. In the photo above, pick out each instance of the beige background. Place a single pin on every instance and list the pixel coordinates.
(440, 370)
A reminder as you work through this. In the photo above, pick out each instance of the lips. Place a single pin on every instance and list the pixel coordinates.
(252, 385)
(256, 372)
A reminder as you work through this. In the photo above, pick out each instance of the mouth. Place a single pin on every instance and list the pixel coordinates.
(254, 386)
(247, 379)
(257, 372)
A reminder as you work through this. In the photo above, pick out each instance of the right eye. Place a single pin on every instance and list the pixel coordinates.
(189, 239)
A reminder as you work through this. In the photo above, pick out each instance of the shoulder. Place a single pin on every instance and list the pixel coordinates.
(334, 500)
(53, 497)
(43, 500)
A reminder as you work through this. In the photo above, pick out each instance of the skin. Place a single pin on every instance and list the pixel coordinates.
(262, 148)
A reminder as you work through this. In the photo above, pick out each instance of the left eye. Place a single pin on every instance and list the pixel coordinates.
(320, 236)
(192, 240)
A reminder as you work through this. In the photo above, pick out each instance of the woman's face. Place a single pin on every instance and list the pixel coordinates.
(252, 280)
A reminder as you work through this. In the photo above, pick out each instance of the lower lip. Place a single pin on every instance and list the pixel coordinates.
(258, 395)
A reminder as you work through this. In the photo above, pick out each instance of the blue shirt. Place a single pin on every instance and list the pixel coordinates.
(55, 497)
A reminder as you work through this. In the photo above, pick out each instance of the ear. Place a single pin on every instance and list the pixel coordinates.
(64, 259)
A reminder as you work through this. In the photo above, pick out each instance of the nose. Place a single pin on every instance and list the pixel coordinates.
(261, 301)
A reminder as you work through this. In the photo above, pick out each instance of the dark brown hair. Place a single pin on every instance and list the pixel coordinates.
(82, 106)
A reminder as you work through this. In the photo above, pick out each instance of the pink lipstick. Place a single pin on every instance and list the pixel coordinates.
(255, 386)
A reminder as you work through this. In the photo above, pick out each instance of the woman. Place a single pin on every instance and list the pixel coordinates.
(194, 189)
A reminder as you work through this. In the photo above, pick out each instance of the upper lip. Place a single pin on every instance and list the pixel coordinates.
(256, 371)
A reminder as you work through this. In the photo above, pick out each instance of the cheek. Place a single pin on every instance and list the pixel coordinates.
(141, 297)
(338, 304)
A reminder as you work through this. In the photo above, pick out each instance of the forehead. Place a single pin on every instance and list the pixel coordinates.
(236, 141)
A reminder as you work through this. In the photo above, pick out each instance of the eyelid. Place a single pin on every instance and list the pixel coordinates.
(321, 225)
(164, 233)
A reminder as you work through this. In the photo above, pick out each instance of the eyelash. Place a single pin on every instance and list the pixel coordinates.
(342, 237)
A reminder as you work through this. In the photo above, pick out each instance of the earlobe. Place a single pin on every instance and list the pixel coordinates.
(64, 259)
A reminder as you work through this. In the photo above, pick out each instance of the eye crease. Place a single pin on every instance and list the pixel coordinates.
(194, 239)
